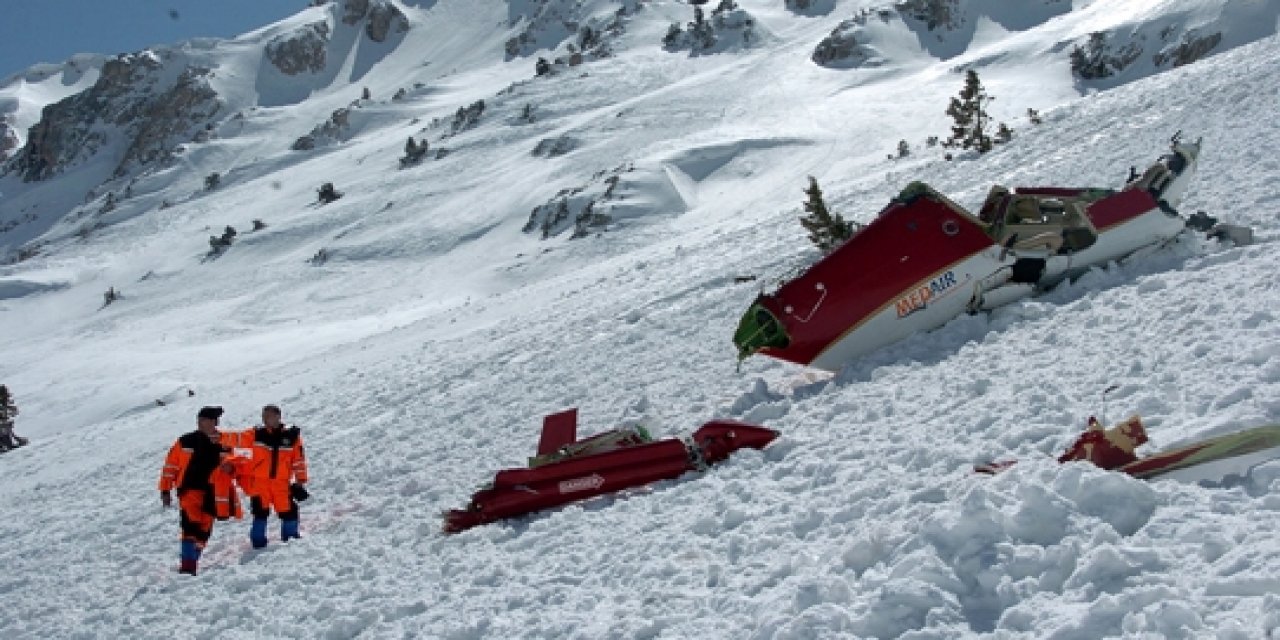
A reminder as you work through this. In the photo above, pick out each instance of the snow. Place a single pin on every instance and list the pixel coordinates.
(422, 354)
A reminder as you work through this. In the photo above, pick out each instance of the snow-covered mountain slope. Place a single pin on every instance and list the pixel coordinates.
(420, 348)
(23, 95)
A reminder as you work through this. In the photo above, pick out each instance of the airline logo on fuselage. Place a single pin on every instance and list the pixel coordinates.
(593, 481)
(919, 299)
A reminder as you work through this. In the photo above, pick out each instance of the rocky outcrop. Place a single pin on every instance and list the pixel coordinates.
(581, 209)
(300, 51)
(1192, 48)
(727, 27)
(1098, 58)
(330, 130)
(139, 103)
(548, 24)
(935, 14)
(305, 49)
(841, 49)
(382, 16)
(8, 140)
(182, 113)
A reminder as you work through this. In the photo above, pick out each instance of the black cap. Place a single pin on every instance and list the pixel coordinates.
(210, 412)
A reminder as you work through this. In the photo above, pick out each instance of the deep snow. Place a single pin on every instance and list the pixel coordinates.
(422, 354)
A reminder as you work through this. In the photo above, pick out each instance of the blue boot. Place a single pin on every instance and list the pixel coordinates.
(289, 530)
(190, 557)
(258, 533)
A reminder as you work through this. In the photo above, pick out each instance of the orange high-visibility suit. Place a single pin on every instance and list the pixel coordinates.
(277, 462)
(204, 473)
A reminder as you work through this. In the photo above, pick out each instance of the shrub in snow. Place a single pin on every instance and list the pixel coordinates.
(904, 150)
(414, 152)
(212, 181)
(826, 230)
(218, 243)
(327, 193)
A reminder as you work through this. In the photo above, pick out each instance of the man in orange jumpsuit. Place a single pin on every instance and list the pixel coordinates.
(202, 468)
(277, 473)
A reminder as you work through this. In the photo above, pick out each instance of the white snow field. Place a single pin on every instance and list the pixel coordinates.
(421, 354)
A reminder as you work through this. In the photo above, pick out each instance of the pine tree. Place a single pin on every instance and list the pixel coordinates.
(968, 111)
(825, 230)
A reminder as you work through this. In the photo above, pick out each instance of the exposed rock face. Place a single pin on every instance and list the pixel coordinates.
(935, 14)
(1192, 48)
(171, 118)
(383, 16)
(134, 105)
(583, 209)
(328, 131)
(302, 50)
(8, 140)
(841, 47)
(727, 27)
(305, 50)
(549, 23)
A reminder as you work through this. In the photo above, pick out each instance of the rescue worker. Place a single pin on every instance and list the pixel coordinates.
(276, 475)
(203, 468)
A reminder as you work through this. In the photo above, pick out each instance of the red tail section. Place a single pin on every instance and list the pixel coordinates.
(558, 429)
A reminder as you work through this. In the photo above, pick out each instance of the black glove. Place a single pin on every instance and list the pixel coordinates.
(165, 499)
(298, 492)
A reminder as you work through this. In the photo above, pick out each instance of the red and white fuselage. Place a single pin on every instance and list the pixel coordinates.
(925, 260)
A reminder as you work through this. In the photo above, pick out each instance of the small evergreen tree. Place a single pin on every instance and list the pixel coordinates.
(212, 181)
(1034, 116)
(968, 111)
(542, 67)
(826, 231)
